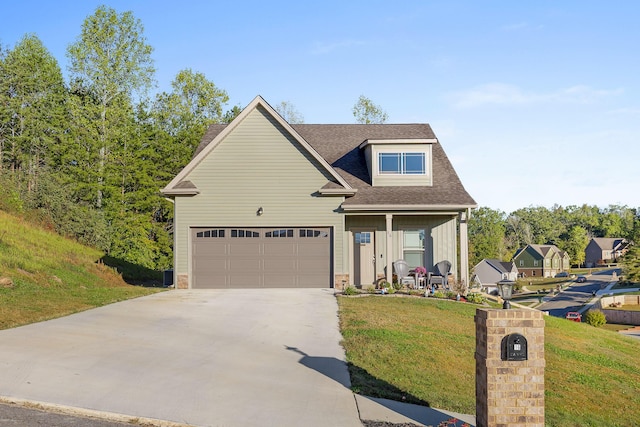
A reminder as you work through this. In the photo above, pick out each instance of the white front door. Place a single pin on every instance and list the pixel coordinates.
(364, 258)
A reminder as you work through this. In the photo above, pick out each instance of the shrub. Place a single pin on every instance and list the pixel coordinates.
(370, 289)
(595, 318)
(476, 298)
(439, 294)
(396, 286)
(349, 290)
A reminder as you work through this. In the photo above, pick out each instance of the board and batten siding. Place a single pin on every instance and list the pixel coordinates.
(257, 165)
(441, 238)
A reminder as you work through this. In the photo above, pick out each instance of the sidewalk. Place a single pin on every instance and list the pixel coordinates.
(390, 411)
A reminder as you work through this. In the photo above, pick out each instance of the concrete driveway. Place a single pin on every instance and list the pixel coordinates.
(204, 358)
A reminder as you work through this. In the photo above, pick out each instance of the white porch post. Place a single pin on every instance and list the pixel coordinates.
(464, 248)
(389, 227)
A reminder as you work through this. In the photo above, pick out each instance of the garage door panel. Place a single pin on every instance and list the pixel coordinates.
(279, 265)
(280, 249)
(309, 280)
(244, 249)
(261, 257)
(247, 280)
(242, 264)
(207, 249)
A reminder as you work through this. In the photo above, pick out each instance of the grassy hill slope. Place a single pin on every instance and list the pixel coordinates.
(422, 350)
(43, 275)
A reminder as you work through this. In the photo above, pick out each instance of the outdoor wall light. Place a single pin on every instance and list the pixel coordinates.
(260, 211)
(505, 287)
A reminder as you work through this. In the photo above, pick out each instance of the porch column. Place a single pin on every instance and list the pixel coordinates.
(389, 227)
(464, 249)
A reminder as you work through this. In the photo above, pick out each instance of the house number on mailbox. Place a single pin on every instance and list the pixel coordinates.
(514, 347)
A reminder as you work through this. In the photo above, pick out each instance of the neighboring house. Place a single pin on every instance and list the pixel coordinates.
(488, 272)
(541, 260)
(264, 203)
(603, 250)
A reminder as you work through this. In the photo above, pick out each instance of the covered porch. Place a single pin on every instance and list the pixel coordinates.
(422, 238)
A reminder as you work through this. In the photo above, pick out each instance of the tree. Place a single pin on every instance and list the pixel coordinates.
(486, 235)
(289, 112)
(32, 112)
(185, 113)
(575, 244)
(366, 112)
(112, 62)
(631, 264)
(231, 114)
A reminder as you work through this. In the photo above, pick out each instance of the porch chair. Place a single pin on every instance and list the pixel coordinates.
(402, 271)
(440, 274)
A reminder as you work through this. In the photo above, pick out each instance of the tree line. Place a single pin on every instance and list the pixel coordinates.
(495, 234)
(89, 153)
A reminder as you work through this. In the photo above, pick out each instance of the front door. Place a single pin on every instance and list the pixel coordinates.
(364, 262)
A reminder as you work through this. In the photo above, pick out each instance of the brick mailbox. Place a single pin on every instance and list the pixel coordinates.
(509, 368)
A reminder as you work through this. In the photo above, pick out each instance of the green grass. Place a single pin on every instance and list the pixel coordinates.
(45, 276)
(421, 350)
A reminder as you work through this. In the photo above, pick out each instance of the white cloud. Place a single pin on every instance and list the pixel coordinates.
(321, 48)
(511, 95)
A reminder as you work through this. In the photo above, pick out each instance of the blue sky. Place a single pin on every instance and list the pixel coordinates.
(535, 103)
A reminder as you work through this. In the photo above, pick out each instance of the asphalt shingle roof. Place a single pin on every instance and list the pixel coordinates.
(339, 145)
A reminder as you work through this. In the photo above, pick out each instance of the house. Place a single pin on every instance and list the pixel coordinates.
(488, 272)
(265, 203)
(541, 260)
(603, 250)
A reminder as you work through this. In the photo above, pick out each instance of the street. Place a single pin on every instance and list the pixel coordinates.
(574, 297)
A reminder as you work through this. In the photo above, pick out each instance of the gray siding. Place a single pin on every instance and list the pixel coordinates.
(257, 165)
(440, 244)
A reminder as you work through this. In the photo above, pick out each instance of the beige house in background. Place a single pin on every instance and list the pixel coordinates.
(265, 203)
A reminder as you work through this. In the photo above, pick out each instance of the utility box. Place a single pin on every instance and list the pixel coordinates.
(167, 278)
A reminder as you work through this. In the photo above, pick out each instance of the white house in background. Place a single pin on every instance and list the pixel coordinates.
(488, 272)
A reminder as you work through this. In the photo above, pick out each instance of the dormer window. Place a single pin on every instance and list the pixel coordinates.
(399, 162)
(402, 163)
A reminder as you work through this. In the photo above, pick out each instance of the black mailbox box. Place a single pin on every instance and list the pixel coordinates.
(514, 347)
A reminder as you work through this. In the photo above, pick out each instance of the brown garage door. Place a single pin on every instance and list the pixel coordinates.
(279, 257)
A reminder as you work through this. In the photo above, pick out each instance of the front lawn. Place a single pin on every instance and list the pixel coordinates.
(422, 350)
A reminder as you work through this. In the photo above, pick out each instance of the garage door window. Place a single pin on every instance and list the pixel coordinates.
(313, 233)
(244, 233)
(210, 233)
(280, 233)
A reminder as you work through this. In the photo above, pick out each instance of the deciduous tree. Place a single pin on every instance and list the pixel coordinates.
(366, 112)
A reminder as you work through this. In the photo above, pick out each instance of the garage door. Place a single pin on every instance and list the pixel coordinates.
(282, 257)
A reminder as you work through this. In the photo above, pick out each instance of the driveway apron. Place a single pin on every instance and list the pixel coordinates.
(254, 357)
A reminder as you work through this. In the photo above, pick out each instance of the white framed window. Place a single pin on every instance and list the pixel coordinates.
(413, 247)
(401, 164)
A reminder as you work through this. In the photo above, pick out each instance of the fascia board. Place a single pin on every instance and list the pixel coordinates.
(338, 192)
(439, 208)
(399, 141)
(180, 192)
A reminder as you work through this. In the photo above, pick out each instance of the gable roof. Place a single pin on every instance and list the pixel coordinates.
(502, 267)
(609, 243)
(338, 146)
(542, 251)
(216, 133)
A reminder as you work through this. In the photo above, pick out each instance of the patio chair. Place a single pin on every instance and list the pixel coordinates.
(440, 274)
(402, 271)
